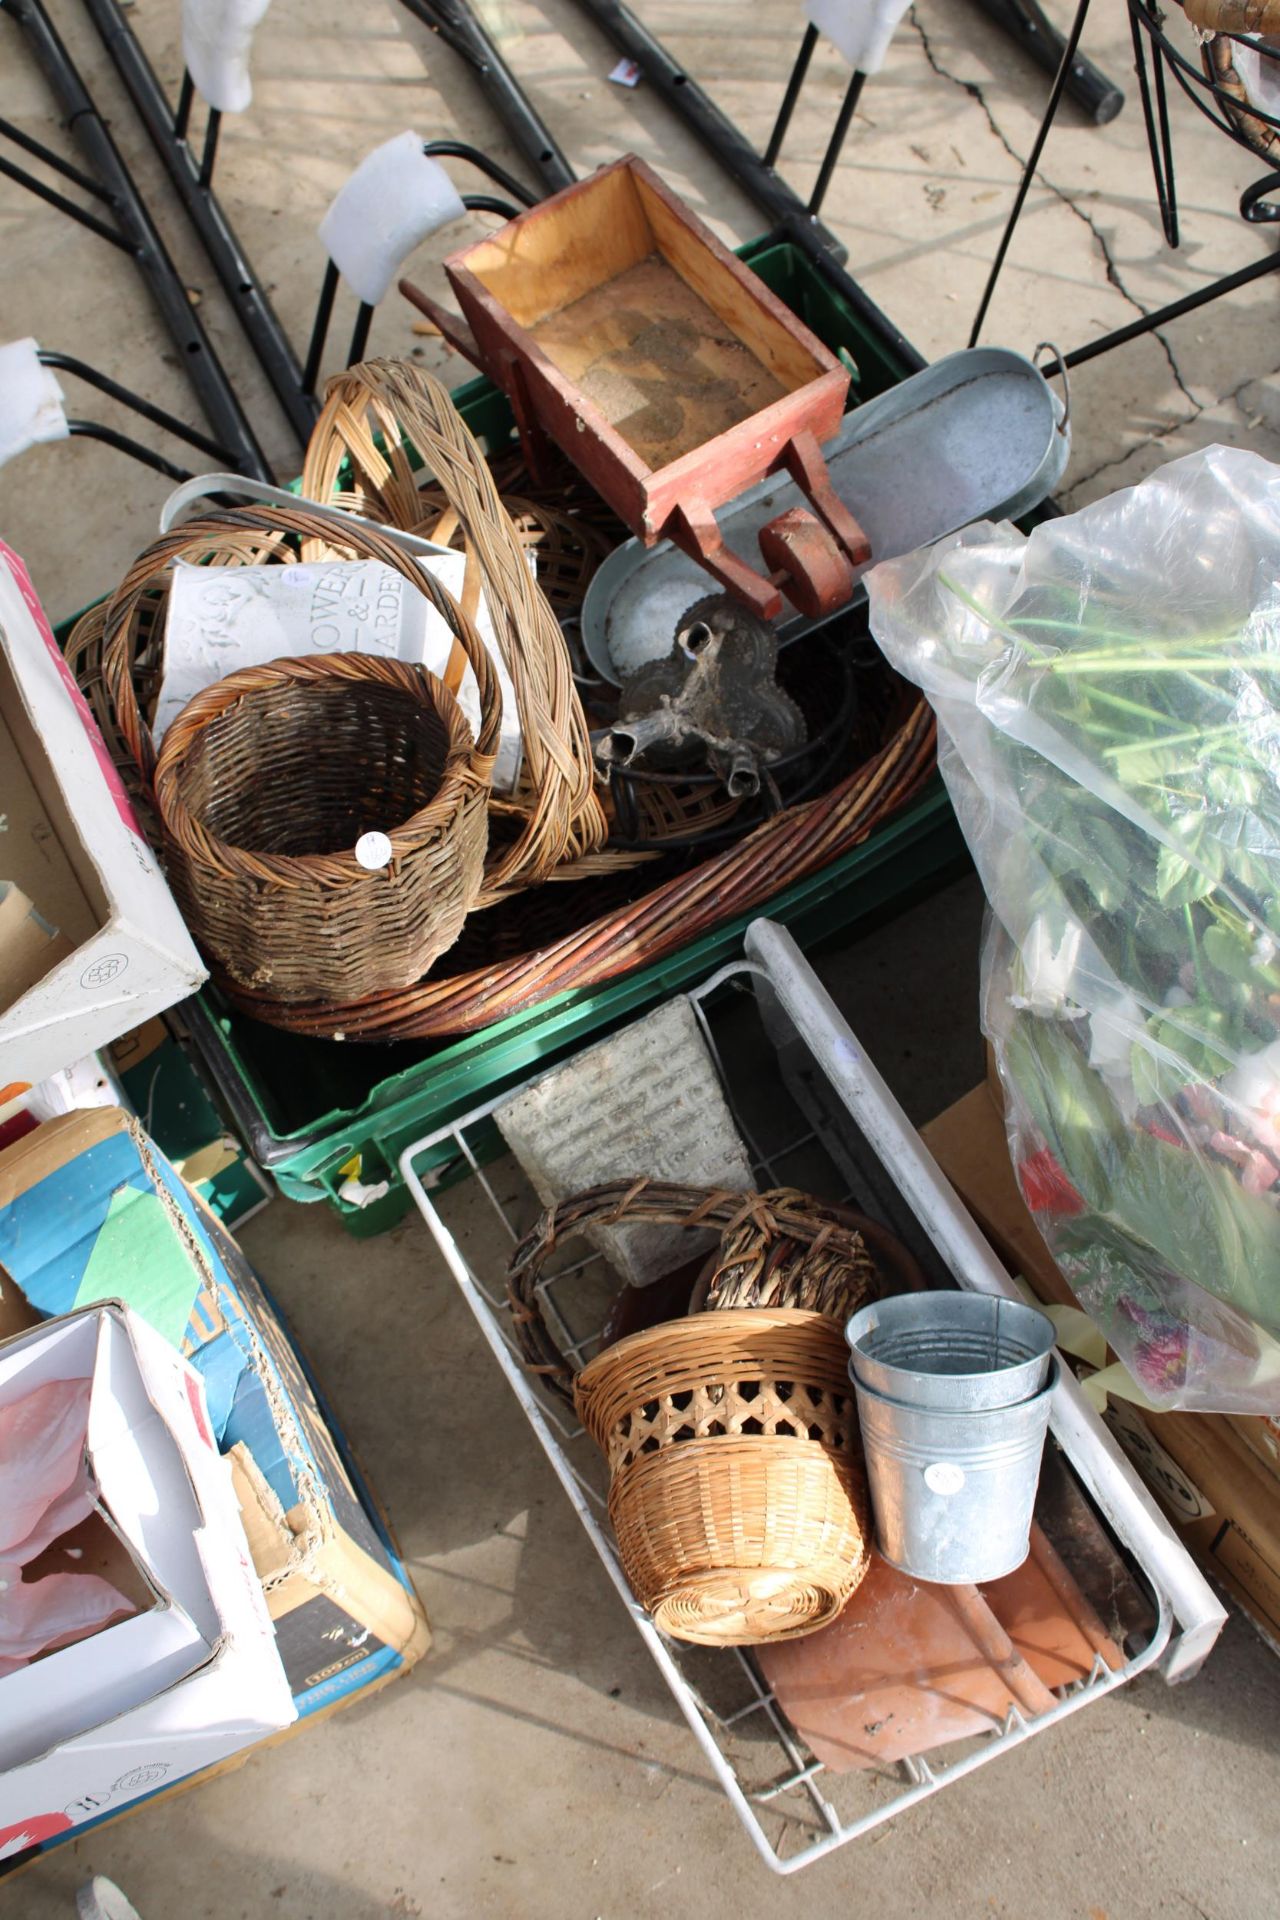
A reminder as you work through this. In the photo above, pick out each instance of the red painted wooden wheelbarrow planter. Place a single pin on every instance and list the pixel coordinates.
(621, 329)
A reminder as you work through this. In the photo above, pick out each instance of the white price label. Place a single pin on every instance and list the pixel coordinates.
(374, 850)
(943, 1476)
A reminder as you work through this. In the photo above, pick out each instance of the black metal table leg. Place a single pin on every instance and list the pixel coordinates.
(839, 134)
(123, 443)
(1070, 45)
(1155, 116)
(458, 27)
(192, 181)
(1151, 322)
(82, 216)
(703, 117)
(320, 327)
(792, 94)
(204, 369)
(145, 409)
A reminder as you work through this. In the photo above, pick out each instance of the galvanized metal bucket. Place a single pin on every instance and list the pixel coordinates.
(953, 1492)
(951, 1351)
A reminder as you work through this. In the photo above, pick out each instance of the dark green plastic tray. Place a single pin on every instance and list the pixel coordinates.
(312, 1110)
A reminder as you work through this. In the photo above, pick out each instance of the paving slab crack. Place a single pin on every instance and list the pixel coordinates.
(1254, 380)
(1231, 399)
(1118, 459)
(976, 93)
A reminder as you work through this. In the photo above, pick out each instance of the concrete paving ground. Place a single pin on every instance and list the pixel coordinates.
(535, 1764)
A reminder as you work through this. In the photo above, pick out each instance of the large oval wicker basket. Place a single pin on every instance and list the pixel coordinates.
(268, 780)
(737, 1492)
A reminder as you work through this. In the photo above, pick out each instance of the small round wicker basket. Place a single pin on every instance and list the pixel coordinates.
(269, 780)
(737, 1492)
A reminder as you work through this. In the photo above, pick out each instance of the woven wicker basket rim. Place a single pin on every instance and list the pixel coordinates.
(463, 766)
(752, 1342)
(675, 1356)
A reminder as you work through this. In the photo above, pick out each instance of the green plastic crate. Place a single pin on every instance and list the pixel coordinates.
(379, 1099)
(313, 1110)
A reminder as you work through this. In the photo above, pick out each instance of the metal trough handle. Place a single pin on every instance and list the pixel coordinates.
(192, 492)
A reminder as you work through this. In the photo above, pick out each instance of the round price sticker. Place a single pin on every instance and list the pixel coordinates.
(374, 850)
(943, 1476)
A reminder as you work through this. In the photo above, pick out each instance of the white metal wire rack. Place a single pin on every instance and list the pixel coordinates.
(793, 1807)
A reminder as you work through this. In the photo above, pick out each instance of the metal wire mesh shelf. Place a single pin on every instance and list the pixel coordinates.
(794, 1808)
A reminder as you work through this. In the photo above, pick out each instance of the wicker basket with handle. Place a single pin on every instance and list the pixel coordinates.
(373, 417)
(736, 1488)
(267, 783)
(566, 551)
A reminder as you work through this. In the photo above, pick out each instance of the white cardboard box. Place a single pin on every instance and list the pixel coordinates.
(71, 844)
(194, 1675)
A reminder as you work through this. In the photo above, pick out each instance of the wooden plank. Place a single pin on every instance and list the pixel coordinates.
(772, 333)
(657, 361)
(559, 250)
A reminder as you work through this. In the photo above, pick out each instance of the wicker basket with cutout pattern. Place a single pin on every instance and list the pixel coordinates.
(737, 1492)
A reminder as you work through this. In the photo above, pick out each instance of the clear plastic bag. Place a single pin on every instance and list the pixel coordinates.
(1108, 697)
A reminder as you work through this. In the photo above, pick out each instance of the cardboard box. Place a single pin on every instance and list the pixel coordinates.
(1216, 1475)
(161, 1082)
(78, 1199)
(345, 1610)
(194, 1675)
(29, 946)
(73, 853)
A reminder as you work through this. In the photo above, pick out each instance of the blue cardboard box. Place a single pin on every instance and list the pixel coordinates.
(90, 1209)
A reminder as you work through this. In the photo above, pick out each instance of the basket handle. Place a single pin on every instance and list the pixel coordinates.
(376, 415)
(230, 530)
(780, 1212)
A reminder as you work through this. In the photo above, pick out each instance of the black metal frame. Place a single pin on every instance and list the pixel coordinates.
(191, 174)
(92, 430)
(130, 228)
(523, 125)
(473, 202)
(754, 172)
(839, 132)
(726, 142)
(1145, 19)
(190, 167)
(1208, 98)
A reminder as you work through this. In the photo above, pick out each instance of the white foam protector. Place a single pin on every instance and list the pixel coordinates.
(393, 200)
(859, 29)
(31, 401)
(217, 39)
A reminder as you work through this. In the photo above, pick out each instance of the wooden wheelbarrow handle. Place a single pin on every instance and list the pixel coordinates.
(450, 326)
(810, 551)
